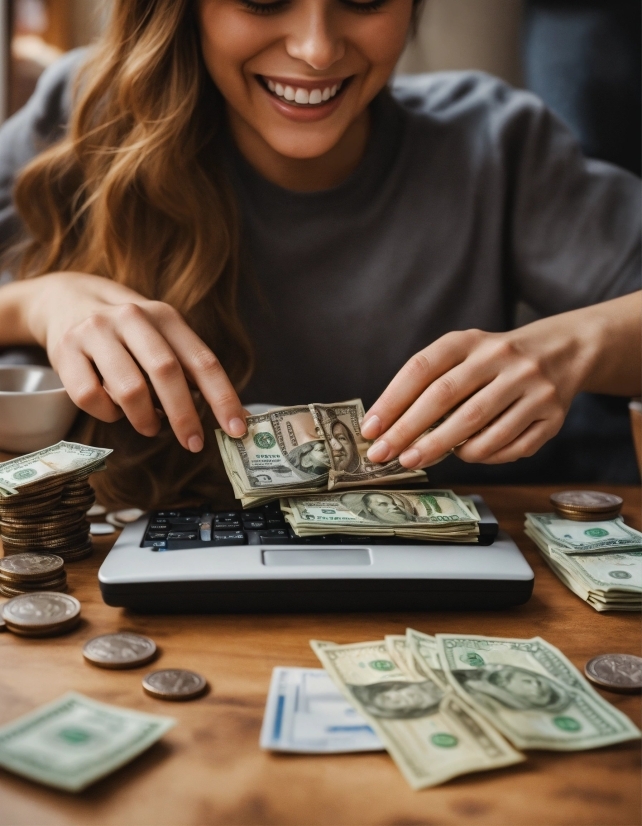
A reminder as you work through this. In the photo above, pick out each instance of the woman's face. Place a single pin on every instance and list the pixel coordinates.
(298, 73)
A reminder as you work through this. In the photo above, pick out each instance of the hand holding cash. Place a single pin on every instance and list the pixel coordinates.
(301, 449)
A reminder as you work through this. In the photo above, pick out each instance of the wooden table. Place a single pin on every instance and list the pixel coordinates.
(209, 768)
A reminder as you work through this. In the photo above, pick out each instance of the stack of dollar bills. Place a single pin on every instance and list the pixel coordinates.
(306, 448)
(413, 514)
(451, 704)
(601, 562)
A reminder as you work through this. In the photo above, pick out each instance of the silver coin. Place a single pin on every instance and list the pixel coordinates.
(97, 510)
(122, 650)
(101, 529)
(30, 565)
(621, 673)
(174, 684)
(41, 610)
(121, 518)
(586, 500)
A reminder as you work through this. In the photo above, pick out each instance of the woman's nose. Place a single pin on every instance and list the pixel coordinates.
(312, 38)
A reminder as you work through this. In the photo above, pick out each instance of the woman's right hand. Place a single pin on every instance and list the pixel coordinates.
(106, 342)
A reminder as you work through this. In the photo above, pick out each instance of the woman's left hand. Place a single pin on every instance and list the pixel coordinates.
(508, 392)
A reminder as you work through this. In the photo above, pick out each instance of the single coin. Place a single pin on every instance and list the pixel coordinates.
(174, 684)
(621, 673)
(123, 517)
(45, 612)
(586, 500)
(30, 566)
(101, 529)
(96, 510)
(122, 650)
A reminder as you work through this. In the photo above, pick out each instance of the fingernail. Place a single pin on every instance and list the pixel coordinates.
(410, 458)
(379, 451)
(237, 428)
(371, 427)
(195, 444)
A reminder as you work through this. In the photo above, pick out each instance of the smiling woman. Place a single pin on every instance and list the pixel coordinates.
(230, 197)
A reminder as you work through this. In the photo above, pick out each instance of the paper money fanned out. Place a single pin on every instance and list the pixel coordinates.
(442, 705)
(531, 693)
(412, 514)
(601, 562)
(301, 449)
(428, 731)
(75, 741)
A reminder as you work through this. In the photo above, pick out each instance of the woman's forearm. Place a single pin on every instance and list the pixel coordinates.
(15, 300)
(616, 329)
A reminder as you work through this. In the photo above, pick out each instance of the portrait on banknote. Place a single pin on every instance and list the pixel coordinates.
(513, 687)
(397, 700)
(310, 458)
(383, 507)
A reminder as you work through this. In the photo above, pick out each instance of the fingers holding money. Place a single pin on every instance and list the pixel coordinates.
(502, 405)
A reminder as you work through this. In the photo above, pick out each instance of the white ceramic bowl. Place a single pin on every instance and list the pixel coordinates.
(35, 410)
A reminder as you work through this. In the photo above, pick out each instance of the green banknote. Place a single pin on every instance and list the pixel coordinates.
(571, 537)
(531, 693)
(339, 425)
(425, 655)
(63, 460)
(431, 734)
(74, 741)
(427, 514)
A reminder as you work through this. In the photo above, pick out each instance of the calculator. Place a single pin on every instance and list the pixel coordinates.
(251, 561)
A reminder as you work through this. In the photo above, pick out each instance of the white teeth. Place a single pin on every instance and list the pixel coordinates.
(303, 97)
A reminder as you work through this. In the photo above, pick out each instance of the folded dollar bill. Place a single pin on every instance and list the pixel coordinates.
(570, 537)
(75, 741)
(430, 733)
(304, 448)
(531, 693)
(608, 579)
(306, 713)
(414, 514)
(59, 463)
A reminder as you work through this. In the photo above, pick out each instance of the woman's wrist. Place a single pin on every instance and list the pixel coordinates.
(16, 300)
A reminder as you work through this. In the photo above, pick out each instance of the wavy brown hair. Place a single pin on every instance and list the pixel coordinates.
(134, 192)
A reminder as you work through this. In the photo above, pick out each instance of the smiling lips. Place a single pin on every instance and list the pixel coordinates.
(310, 95)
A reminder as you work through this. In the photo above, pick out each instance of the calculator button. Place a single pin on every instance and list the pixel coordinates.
(253, 524)
(275, 536)
(157, 535)
(227, 525)
(183, 535)
(229, 538)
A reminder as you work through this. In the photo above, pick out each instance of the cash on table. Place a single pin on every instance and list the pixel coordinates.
(599, 561)
(442, 705)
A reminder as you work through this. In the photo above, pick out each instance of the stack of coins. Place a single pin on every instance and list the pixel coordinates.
(586, 505)
(43, 614)
(24, 573)
(49, 518)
